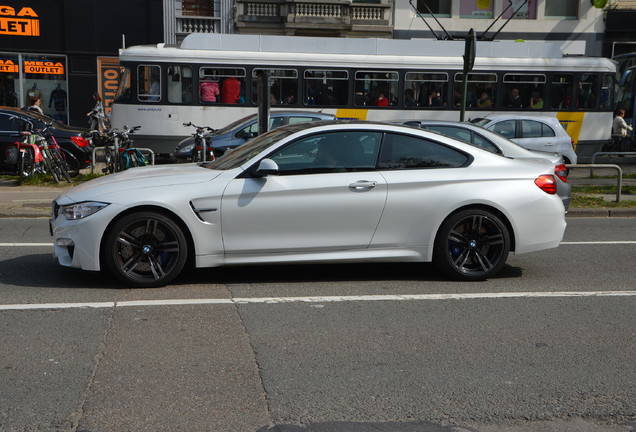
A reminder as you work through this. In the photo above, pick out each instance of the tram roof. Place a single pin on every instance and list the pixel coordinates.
(259, 49)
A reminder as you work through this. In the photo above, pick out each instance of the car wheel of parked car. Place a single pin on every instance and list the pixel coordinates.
(472, 244)
(145, 249)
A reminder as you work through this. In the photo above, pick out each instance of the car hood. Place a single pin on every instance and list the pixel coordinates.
(136, 179)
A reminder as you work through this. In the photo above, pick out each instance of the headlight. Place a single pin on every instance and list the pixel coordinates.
(186, 149)
(82, 210)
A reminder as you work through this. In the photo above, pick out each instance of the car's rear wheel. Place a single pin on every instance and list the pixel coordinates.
(472, 244)
(145, 249)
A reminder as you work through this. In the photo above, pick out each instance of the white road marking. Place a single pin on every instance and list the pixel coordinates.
(25, 244)
(315, 299)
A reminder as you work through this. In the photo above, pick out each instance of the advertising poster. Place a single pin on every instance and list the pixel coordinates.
(108, 80)
(525, 9)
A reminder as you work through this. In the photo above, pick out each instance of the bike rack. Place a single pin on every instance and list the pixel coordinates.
(619, 180)
(146, 151)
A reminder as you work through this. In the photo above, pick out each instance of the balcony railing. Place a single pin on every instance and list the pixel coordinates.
(197, 24)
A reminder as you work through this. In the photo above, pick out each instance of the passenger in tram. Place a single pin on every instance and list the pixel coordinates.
(515, 100)
(208, 90)
(409, 98)
(484, 101)
(536, 101)
(381, 100)
(230, 90)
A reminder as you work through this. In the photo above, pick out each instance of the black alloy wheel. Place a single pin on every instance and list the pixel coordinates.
(472, 245)
(145, 249)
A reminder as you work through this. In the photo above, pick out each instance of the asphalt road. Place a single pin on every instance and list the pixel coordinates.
(549, 345)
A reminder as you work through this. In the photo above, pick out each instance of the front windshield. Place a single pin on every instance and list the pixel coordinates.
(247, 151)
(123, 91)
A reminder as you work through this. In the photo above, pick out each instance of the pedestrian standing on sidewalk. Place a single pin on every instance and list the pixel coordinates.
(619, 131)
(96, 115)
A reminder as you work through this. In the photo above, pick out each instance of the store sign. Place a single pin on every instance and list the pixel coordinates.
(8, 66)
(19, 22)
(43, 67)
(108, 80)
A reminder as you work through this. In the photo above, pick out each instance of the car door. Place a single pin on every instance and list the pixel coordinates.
(535, 135)
(313, 204)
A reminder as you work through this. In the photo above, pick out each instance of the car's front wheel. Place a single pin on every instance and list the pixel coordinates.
(472, 244)
(145, 249)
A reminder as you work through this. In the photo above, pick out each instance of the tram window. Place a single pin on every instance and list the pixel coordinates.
(180, 84)
(221, 85)
(283, 86)
(524, 91)
(425, 89)
(123, 93)
(607, 92)
(376, 88)
(326, 87)
(149, 83)
(481, 90)
(561, 91)
(586, 96)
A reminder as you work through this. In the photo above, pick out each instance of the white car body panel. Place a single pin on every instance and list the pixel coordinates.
(393, 216)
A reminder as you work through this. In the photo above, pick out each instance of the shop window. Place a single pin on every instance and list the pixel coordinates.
(561, 9)
(179, 84)
(561, 93)
(441, 8)
(197, 7)
(222, 85)
(519, 9)
(283, 86)
(376, 88)
(425, 89)
(149, 83)
(9, 80)
(326, 87)
(481, 90)
(45, 78)
(524, 91)
(479, 9)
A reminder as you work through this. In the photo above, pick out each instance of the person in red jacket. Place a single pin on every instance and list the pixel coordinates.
(381, 100)
(230, 90)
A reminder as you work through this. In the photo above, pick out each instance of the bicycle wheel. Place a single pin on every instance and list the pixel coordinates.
(62, 166)
(49, 164)
(27, 163)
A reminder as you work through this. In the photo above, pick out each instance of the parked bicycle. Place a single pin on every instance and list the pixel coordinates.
(119, 150)
(200, 151)
(53, 158)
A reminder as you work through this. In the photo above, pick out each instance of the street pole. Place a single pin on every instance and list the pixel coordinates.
(469, 61)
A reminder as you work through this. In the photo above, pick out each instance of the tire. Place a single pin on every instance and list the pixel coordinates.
(72, 163)
(145, 249)
(471, 245)
(49, 164)
(27, 164)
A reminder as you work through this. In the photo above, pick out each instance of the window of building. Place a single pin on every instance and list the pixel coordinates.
(524, 91)
(221, 85)
(519, 9)
(326, 87)
(376, 88)
(561, 9)
(149, 83)
(197, 7)
(180, 84)
(425, 89)
(481, 90)
(473, 9)
(441, 8)
(283, 86)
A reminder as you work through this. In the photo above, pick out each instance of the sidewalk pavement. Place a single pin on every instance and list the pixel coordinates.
(35, 201)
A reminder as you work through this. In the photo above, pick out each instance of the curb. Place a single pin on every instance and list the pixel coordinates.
(601, 212)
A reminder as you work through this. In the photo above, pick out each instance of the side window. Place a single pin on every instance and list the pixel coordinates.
(504, 128)
(180, 84)
(149, 83)
(222, 85)
(425, 89)
(275, 122)
(531, 129)
(524, 91)
(588, 89)
(561, 92)
(248, 132)
(481, 90)
(457, 133)
(547, 131)
(5, 123)
(481, 142)
(294, 120)
(401, 152)
(326, 87)
(376, 88)
(283, 86)
(329, 153)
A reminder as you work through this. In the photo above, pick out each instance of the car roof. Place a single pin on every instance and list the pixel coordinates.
(498, 117)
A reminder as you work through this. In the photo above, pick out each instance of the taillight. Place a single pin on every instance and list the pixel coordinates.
(80, 141)
(546, 183)
(561, 172)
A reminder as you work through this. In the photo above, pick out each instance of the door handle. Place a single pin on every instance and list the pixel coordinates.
(362, 185)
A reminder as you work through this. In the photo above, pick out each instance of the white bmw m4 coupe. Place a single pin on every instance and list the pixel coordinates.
(334, 191)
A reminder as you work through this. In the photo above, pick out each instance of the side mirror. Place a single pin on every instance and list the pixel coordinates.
(266, 167)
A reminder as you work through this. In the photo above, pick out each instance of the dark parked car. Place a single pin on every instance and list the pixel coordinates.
(76, 147)
(243, 130)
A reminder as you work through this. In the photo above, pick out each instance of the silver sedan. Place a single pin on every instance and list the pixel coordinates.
(316, 192)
